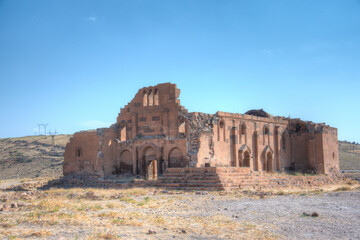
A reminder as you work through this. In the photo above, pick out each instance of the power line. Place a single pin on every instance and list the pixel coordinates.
(39, 126)
(45, 128)
(52, 134)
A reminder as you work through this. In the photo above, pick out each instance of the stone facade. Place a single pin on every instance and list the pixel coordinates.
(154, 132)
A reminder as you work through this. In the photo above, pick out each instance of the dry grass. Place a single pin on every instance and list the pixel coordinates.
(50, 213)
(131, 213)
(349, 155)
(349, 185)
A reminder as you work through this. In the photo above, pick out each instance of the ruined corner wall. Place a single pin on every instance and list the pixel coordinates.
(314, 147)
(80, 157)
(199, 136)
(106, 150)
(331, 151)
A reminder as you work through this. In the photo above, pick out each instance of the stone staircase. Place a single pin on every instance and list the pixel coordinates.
(232, 178)
(209, 178)
(206, 179)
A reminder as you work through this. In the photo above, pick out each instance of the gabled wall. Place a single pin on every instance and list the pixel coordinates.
(160, 118)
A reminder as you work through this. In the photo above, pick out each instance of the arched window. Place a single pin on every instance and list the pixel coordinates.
(182, 130)
(222, 129)
(266, 135)
(151, 98)
(156, 97)
(266, 130)
(145, 99)
(242, 133)
(222, 124)
(243, 129)
(123, 134)
(78, 152)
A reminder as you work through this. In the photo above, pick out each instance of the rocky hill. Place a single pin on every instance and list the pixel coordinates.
(32, 156)
(40, 156)
(349, 154)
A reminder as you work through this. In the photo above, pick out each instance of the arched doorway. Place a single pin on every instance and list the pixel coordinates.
(269, 160)
(267, 157)
(246, 160)
(126, 162)
(150, 163)
(175, 158)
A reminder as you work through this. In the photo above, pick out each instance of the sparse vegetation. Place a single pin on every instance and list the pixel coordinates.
(344, 188)
(33, 156)
(45, 214)
(349, 154)
(175, 213)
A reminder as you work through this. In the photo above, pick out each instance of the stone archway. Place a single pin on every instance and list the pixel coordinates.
(175, 158)
(150, 163)
(246, 159)
(267, 159)
(244, 156)
(126, 162)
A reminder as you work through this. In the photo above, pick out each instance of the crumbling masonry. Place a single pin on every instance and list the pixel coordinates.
(154, 134)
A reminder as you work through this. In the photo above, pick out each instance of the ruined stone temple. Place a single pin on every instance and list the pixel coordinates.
(154, 134)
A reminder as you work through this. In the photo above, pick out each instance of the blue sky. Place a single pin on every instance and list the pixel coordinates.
(74, 64)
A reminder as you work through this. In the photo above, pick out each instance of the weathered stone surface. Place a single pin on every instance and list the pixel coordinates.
(154, 134)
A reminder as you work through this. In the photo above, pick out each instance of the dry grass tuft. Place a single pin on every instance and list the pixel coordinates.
(341, 189)
(41, 233)
(107, 235)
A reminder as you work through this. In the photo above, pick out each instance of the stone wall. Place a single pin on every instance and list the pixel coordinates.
(81, 155)
(153, 132)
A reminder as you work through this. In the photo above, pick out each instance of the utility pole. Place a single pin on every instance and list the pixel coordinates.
(53, 138)
(45, 128)
(39, 125)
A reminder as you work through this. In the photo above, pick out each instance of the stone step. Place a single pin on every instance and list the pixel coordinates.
(191, 176)
(207, 173)
(192, 181)
(196, 188)
(189, 184)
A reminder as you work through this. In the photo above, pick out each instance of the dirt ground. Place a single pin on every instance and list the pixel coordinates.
(161, 214)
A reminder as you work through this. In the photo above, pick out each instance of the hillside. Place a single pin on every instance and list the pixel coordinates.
(349, 154)
(35, 156)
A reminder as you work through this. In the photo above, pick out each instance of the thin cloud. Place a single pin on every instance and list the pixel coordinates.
(269, 51)
(92, 19)
(266, 51)
(92, 124)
